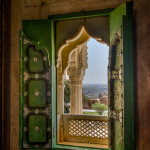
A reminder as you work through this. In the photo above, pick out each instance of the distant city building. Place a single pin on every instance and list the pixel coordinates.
(104, 99)
(88, 104)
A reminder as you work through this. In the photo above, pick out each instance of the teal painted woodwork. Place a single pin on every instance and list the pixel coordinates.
(121, 69)
(35, 62)
(79, 15)
(115, 80)
(37, 128)
(40, 35)
(121, 89)
(37, 93)
(128, 61)
(54, 100)
(35, 84)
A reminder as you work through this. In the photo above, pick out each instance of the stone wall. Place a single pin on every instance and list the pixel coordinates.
(40, 9)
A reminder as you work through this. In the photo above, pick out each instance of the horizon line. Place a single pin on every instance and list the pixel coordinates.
(95, 83)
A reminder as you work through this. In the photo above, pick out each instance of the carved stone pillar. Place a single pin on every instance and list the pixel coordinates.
(60, 104)
(60, 98)
(76, 105)
(76, 73)
(60, 92)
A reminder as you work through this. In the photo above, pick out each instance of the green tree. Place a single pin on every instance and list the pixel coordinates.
(99, 107)
(85, 98)
(67, 91)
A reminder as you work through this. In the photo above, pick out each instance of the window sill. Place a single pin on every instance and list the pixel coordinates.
(80, 146)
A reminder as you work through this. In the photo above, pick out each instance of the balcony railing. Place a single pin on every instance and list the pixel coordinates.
(85, 129)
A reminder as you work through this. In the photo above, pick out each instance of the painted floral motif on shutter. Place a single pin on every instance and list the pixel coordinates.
(35, 95)
(115, 80)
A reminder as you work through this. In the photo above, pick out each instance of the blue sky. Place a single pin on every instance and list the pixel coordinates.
(96, 73)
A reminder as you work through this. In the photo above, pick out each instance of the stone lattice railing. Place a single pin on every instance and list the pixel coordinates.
(85, 128)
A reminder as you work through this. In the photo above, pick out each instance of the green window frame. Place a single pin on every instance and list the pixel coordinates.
(128, 74)
(44, 32)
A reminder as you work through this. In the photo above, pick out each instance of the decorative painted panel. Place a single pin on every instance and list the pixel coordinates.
(115, 79)
(35, 95)
(37, 128)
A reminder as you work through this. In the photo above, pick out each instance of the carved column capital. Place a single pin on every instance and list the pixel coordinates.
(83, 57)
(60, 77)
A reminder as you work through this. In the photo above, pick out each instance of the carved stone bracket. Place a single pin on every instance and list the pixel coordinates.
(83, 58)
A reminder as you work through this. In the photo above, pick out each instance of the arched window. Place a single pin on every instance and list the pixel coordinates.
(38, 123)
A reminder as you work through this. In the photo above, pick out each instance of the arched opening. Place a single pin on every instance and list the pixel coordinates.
(72, 59)
(120, 79)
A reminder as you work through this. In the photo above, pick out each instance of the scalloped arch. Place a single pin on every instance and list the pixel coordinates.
(65, 50)
(70, 45)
